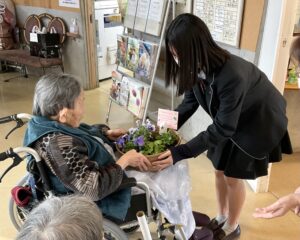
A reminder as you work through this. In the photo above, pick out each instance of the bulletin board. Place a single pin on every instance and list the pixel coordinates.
(223, 18)
(51, 4)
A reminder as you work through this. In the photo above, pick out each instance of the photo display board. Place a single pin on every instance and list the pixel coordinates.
(223, 18)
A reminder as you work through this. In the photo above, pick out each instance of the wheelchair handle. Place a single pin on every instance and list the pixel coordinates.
(17, 118)
(7, 119)
(3, 156)
(14, 154)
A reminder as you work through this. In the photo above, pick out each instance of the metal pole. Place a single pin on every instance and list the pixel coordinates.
(156, 61)
(172, 86)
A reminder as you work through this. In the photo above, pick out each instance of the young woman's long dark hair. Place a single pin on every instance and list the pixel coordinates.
(189, 37)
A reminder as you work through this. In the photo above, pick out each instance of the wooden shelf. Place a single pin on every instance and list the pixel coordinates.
(291, 86)
(72, 35)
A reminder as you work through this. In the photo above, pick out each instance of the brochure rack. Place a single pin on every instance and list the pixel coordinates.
(146, 19)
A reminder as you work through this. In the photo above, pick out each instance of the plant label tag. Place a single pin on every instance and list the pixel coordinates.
(167, 118)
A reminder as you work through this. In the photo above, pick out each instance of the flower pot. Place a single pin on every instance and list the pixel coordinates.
(154, 157)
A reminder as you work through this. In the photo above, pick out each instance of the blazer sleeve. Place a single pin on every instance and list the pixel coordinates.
(230, 93)
(187, 107)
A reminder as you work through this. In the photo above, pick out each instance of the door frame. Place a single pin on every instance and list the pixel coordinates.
(275, 41)
(89, 35)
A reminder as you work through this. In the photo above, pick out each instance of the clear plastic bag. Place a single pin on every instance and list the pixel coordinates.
(170, 190)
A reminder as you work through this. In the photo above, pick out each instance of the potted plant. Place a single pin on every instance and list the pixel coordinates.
(146, 139)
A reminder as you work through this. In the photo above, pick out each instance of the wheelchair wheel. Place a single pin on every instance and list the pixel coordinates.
(112, 231)
(17, 215)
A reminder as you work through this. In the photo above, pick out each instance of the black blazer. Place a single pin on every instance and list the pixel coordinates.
(245, 108)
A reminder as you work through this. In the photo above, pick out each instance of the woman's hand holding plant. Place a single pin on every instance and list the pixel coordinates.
(134, 159)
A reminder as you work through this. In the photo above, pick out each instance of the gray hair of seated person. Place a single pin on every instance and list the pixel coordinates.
(63, 218)
(53, 92)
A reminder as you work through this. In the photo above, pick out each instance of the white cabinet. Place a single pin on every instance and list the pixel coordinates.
(108, 26)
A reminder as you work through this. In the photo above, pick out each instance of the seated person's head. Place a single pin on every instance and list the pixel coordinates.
(295, 50)
(59, 97)
(63, 218)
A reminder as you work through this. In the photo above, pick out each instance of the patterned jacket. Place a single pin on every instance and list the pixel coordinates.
(67, 158)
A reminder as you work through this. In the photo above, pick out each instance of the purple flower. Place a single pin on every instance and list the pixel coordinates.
(121, 142)
(150, 126)
(139, 141)
(126, 137)
(132, 130)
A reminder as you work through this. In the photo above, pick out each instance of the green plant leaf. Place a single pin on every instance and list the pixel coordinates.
(154, 143)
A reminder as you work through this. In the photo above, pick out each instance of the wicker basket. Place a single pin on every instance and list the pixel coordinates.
(154, 157)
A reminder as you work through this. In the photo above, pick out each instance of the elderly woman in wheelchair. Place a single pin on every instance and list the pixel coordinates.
(79, 158)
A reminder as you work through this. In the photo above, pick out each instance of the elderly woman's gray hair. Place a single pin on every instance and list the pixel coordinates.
(63, 218)
(53, 92)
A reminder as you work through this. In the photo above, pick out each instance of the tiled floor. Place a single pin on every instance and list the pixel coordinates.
(16, 97)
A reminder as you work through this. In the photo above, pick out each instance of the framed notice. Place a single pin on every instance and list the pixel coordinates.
(141, 15)
(223, 18)
(69, 3)
(297, 22)
(155, 17)
(130, 13)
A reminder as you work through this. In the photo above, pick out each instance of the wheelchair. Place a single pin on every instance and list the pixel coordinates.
(113, 230)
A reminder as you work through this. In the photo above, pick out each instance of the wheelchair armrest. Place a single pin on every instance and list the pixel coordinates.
(127, 183)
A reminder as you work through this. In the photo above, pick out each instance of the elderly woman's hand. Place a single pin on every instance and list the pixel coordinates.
(164, 160)
(134, 159)
(114, 134)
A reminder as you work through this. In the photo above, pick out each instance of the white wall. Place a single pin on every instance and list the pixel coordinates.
(270, 38)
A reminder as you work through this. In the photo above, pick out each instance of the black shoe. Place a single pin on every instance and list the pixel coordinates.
(202, 234)
(220, 234)
(201, 219)
(214, 225)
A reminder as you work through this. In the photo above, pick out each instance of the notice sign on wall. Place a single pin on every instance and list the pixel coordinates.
(69, 3)
(222, 17)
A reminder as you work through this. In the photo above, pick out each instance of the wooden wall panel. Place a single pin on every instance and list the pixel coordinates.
(87, 12)
(53, 4)
(253, 10)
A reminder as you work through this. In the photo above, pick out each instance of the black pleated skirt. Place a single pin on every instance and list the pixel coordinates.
(235, 163)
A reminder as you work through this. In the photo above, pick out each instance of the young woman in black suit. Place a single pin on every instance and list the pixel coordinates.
(249, 128)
